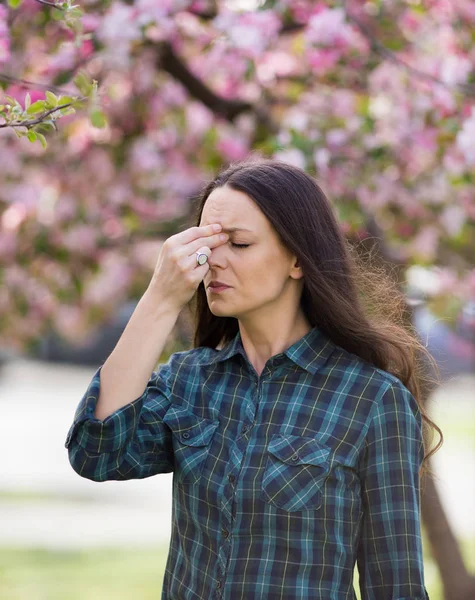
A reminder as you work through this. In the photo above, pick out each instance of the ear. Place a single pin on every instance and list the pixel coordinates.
(296, 271)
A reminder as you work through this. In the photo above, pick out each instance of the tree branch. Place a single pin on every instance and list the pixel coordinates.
(33, 84)
(39, 120)
(52, 4)
(229, 109)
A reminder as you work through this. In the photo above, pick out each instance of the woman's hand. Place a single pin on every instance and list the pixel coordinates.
(177, 274)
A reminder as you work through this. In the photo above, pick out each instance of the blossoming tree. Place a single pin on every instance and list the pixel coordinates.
(114, 114)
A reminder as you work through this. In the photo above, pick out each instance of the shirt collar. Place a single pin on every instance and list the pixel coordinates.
(310, 352)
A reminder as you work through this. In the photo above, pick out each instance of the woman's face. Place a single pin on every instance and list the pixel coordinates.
(260, 272)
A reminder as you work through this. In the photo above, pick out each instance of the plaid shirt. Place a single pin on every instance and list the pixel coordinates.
(282, 482)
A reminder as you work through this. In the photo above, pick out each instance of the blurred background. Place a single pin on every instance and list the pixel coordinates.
(113, 115)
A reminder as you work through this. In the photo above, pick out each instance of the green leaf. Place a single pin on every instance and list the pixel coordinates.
(65, 99)
(42, 139)
(12, 101)
(14, 3)
(51, 99)
(32, 136)
(68, 110)
(75, 13)
(98, 119)
(36, 107)
(83, 83)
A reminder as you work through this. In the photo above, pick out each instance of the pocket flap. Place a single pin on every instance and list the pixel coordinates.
(191, 429)
(298, 450)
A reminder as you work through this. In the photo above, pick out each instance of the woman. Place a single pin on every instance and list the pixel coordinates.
(293, 426)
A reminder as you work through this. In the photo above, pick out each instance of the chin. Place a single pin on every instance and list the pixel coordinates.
(220, 311)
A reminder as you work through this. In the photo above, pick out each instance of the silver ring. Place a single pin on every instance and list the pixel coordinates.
(201, 258)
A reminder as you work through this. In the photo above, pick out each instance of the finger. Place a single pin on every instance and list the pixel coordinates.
(192, 262)
(212, 242)
(194, 233)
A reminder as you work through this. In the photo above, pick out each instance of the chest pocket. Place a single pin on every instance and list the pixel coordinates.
(192, 437)
(295, 471)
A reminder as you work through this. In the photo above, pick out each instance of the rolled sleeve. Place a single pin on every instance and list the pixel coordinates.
(389, 556)
(132, 442)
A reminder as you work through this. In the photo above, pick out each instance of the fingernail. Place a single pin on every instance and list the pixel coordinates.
(223, 236)
(217, 227)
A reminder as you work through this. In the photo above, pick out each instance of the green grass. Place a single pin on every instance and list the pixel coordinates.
(35, 574)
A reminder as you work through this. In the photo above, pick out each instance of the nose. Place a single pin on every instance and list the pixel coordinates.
(217, 257)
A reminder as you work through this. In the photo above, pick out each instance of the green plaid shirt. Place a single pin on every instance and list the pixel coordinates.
(282, 482)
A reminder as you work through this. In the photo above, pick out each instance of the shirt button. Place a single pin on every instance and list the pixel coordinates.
(218, 585)
(225, 532)
(244, 428)
(185, 435)
(231, 478)
(295, 457)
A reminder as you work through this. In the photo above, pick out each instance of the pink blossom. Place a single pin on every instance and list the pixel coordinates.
(8, 244)
(90, 22)
(19, 92)
(297, 120)
(119, 25)
(110, 283)
(466, 139)
(64, 59)
(152, 11)
(167, 137)
(71, 323)
(250, 31)
(4, 50)
(322, 158)
(276, 64)
(87, 48)
(443, 100)
(66, 208)
(302, 10)
(336, 137)
(292, 156)
(145, 252)
(446, 280)
(411, 22)
(13, 217)
(145, 155)
(233, 148)
(426, 243)
(199, 119)
(453, 219)
(81, 238)
(322, 61)
(343, 103)
(14, 277)
(328, 28)
(455, 69)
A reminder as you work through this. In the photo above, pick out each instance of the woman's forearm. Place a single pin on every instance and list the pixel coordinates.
(125, 373)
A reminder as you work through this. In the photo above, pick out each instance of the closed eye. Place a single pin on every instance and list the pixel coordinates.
(239, 245)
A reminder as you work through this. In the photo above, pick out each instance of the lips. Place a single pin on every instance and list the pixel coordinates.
(217, 284)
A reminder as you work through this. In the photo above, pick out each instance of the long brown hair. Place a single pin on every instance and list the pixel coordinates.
(366, 313)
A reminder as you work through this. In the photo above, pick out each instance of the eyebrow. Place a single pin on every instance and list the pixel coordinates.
(233, 229)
